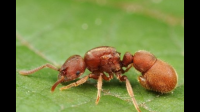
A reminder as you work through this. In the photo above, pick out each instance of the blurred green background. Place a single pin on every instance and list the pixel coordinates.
(51, 31)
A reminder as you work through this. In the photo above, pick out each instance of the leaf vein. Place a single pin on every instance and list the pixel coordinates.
(36, 51)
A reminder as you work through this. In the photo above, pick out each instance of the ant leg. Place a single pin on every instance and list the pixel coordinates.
(107, 78)
(127, 69)
(127, 61)
(99, 77)
(94, 76)
(131, 94)
(99, 83)
(38, 68)
(79, 82)
(129, 89)
(99, 87)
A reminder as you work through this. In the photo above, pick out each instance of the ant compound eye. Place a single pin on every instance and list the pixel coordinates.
(78, 72)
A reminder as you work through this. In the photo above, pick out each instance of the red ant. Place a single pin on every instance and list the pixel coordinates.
(156, 74)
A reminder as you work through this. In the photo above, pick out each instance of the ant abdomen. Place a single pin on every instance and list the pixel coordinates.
(157, 75)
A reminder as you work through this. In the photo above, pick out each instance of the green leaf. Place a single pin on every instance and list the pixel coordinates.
(51, 31)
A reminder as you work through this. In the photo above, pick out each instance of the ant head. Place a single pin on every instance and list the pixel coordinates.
(73, 68)
(143, 60)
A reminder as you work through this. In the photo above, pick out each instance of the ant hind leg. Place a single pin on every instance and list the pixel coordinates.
(129, 89)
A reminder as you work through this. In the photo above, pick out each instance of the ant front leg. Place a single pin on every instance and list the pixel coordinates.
(77, 83)
(129, 89)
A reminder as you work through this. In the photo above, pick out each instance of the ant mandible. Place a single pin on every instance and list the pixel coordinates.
(106, 59)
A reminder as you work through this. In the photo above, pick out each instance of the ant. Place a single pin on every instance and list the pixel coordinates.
(156, 74)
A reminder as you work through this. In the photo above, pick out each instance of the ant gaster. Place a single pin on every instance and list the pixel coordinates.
(157, 75)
